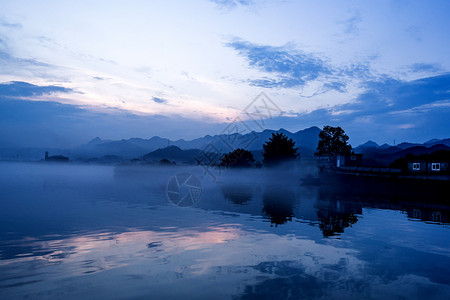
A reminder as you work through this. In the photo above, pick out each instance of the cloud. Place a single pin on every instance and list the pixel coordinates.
(17, 89)
(10, 25)
(25, 68)
(388, 109)
(159, 100)
(424, 103)
(389, 94)
(424, 67)
(232, 3)
(335, 85)
(389, 105)
(26, 123)
(288, 68)
(351, 24)
(406, 126)
(360, 70)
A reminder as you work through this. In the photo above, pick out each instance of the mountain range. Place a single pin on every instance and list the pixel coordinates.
(184, 151)
(383, 155)
(155, 147)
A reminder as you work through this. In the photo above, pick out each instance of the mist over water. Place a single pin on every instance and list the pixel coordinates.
(72, 231)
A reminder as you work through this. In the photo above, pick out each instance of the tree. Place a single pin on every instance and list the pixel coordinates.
(332, 142)
(238, 158)
(279, 149)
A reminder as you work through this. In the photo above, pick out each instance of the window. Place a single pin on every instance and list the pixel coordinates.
(435, 167)
(353, 157)
(416, 166)
(436, 216)
(416, 213)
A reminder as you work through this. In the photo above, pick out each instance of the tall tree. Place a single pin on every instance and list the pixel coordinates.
(238, 158)
(332, 142)
(279, 149)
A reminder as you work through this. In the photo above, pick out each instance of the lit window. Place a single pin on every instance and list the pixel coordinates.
(416, 166)
(435, 166)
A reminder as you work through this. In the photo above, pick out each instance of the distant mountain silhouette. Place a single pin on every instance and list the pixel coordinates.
(100, 148)
(96, 141)
(370, 145)
(157, 148)
(384, 156)
(406, 145)
(366, 145)
(445, 142)
(173, 153)
(306, 140)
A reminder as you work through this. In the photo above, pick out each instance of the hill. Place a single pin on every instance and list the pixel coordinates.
(306, 140)
(173, 153)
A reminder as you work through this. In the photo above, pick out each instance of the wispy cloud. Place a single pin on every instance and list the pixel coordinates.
(387, 95)
(424, 67)
(27, 123)
(24, 68)
(288, 68)
(232, 3)
(351, 24)
(10, 25)
(159, 100)
(440, 104)
(17, 89)
(360, 70)
(388, 109)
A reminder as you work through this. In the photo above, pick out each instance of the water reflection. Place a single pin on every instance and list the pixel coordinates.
(278, 204)
(238, 194)
(333, 207)
(108, 236)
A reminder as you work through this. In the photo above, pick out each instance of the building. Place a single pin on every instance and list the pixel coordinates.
(59, 158)
(422, 166)
(352, 160)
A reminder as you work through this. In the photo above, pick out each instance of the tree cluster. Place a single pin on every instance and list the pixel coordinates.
(238, 158)
(332, 142)
(279, 148)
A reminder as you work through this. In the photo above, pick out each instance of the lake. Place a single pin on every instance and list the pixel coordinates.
(104, 232)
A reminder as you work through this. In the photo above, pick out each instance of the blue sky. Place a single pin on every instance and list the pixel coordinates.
(73, 70)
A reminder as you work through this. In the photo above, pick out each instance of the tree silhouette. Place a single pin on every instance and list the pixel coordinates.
(335, 224)
(279, 149)
(278, 204)
(333, 141)
(238, 158)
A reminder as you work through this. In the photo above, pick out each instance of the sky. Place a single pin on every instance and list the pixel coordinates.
(74, 70)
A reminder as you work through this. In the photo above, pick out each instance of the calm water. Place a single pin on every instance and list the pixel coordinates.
(92, 232)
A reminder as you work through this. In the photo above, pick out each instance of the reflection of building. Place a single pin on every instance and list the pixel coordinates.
(422, 166)
(55, 157)
(429, 214)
